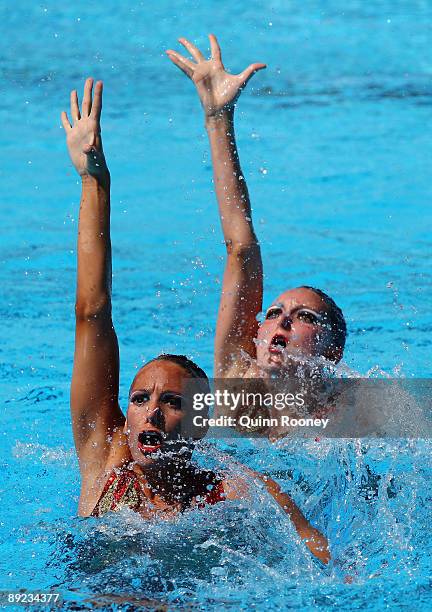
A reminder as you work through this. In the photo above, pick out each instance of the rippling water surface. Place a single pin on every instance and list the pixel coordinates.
(335, 143)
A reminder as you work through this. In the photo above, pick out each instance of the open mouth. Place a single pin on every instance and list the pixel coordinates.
(278, 344)
(149, 441)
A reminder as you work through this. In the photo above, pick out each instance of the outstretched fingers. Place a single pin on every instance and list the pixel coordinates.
(248, 73)
(215, 49)
(74, 106)
(96, 108)
(181, 62)
(194, 51)
(87, 97)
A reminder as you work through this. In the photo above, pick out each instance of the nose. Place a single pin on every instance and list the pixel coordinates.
(156, 418)
(286, 322)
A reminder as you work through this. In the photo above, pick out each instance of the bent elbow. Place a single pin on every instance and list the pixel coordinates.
(87, 311)
(243, 250)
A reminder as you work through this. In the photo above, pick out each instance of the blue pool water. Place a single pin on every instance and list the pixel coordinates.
(335, 143)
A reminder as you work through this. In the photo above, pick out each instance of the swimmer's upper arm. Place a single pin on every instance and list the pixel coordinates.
(240, 303)
(95, 411)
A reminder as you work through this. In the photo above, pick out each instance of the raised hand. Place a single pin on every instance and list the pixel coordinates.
(218, 90)
(83, 137)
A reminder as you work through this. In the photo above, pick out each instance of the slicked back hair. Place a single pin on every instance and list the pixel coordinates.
(187, 364)
(184, 362)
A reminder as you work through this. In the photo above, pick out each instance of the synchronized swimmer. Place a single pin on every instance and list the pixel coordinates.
(139, 461)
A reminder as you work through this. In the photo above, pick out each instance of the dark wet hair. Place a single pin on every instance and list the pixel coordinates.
(337, 319)
(187, 364)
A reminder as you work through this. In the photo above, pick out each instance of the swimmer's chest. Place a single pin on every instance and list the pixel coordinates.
(124, 489)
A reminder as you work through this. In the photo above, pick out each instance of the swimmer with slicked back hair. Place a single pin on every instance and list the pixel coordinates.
(302, 324)
(143, 461)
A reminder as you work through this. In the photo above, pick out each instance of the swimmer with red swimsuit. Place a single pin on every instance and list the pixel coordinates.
(142, 461)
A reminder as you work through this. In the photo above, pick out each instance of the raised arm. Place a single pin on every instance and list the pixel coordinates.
(241, 298)
(96, 417)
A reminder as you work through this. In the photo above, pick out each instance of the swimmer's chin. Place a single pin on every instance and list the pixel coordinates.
(283, 363)
(145, 459)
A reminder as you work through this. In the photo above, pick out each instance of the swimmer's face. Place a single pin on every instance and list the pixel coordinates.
(297, 322)
(156, 410)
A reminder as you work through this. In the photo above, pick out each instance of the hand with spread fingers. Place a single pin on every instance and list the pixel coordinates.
(218, 90)
(83, 135)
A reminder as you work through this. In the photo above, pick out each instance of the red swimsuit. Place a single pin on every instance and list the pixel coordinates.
(123, 489)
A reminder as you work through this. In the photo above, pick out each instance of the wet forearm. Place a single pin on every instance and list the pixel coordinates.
(314, 540)
(94, 248)
(230, 185)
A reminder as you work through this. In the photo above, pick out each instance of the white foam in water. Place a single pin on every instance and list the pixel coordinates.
(46, 454)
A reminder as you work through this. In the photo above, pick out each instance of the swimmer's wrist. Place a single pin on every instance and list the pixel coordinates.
(104, 180)
(222, 117)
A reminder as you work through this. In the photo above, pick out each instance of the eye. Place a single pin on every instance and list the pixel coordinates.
(139, 398)
(273, 313)
(173, 401)
(307, 317)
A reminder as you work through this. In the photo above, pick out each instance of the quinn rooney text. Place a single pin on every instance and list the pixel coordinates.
(251, 423)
